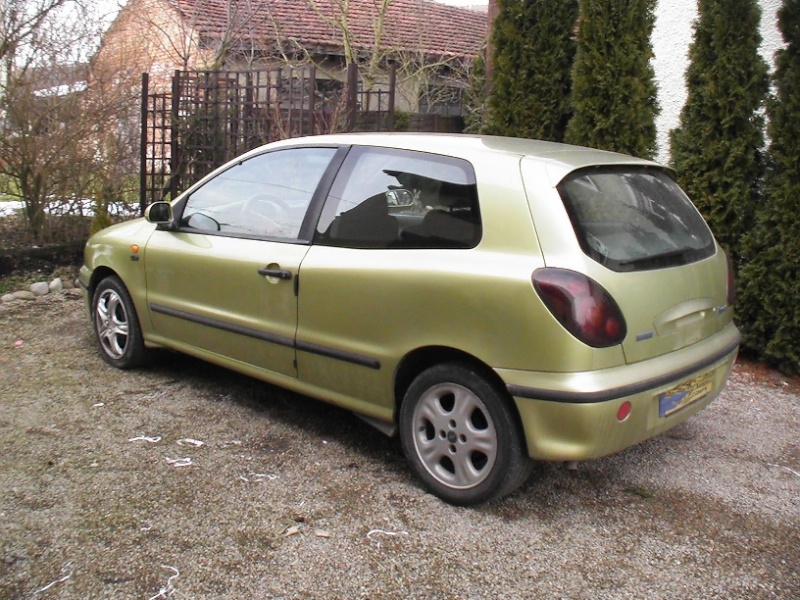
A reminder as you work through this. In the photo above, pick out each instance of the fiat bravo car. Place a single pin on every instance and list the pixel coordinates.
(492, 301)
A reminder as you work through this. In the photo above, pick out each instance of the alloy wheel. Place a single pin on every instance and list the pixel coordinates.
(454, 436)
(112, 323)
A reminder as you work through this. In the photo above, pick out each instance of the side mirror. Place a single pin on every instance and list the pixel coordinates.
(159, 213)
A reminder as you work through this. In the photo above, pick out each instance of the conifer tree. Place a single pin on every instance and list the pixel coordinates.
(717, 148)
(769, 297)
(533, 54)
(613, 82)
(475, 110)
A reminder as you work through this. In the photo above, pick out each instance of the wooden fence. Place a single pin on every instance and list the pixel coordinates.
(210, 117)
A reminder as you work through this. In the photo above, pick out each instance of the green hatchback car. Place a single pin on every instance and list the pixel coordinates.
(492, 301)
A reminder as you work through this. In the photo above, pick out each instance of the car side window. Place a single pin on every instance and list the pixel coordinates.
(265, 196)
(387, 198)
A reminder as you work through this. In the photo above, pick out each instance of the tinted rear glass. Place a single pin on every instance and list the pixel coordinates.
(631, 219)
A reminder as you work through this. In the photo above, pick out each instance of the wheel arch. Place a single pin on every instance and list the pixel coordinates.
(509, 465)
(98, 275)
(419, 360)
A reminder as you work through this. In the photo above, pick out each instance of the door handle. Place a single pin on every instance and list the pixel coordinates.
(279, 273)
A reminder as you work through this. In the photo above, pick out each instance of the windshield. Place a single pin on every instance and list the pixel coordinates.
(634, 219)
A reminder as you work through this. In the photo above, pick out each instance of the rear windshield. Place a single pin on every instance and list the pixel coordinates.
(634, 219)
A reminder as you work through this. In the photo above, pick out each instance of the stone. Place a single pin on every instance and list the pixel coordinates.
(56, 285)
(23, 295)
(7, 298)
(40, 288)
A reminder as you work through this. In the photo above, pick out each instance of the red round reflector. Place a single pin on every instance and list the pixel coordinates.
(624, 410)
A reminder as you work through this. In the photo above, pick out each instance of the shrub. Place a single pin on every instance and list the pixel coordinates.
(717, 148)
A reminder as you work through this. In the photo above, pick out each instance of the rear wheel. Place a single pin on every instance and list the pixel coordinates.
(116, 325)
(461, 437)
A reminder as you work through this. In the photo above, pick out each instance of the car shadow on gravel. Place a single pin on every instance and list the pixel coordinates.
(552, 487)
(620, 480)
(280, 406)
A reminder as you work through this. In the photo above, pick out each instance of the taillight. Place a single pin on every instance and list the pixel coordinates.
(582, 306)
(731, 283)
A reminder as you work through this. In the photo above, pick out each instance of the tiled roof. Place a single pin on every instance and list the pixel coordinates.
(410, 25)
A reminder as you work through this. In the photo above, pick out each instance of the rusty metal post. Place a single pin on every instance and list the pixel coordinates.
(392, 91)
(174, 145)
(143, 145)
(352, 95)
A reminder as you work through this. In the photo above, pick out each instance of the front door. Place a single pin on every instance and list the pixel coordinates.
(223, 282)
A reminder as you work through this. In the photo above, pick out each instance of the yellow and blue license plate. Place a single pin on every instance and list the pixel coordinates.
(684, 394)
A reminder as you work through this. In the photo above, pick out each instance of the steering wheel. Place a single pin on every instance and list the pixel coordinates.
(264, 212)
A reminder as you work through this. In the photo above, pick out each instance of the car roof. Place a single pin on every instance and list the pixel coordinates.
(568, 157)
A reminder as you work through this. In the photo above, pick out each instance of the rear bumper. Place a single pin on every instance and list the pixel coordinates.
(573, 416)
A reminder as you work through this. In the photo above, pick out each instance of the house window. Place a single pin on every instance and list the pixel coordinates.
(327, 93)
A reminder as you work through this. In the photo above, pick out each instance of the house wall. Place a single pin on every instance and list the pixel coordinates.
(148, 37)
(671, 40)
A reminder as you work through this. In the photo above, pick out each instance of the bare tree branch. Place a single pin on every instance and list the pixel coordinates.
(21, 19)
(51, 126)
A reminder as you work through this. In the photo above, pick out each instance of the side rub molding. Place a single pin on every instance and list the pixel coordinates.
(364, 361)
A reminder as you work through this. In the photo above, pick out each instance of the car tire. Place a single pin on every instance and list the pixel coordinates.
(461, 436)
(116, 325)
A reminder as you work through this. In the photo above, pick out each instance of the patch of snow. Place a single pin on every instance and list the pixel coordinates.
(84, 207)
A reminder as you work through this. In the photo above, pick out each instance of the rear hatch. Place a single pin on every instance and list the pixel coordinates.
(670, 308)
(640, 237)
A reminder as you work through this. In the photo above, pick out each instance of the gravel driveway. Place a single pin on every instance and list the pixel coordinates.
(186, 481)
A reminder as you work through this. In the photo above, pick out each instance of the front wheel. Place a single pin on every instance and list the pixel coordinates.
(116, 325)
(461, 437)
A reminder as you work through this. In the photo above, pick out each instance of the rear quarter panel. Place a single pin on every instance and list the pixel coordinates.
(384, 304)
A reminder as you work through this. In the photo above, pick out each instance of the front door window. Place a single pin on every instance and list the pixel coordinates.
(266, 196)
